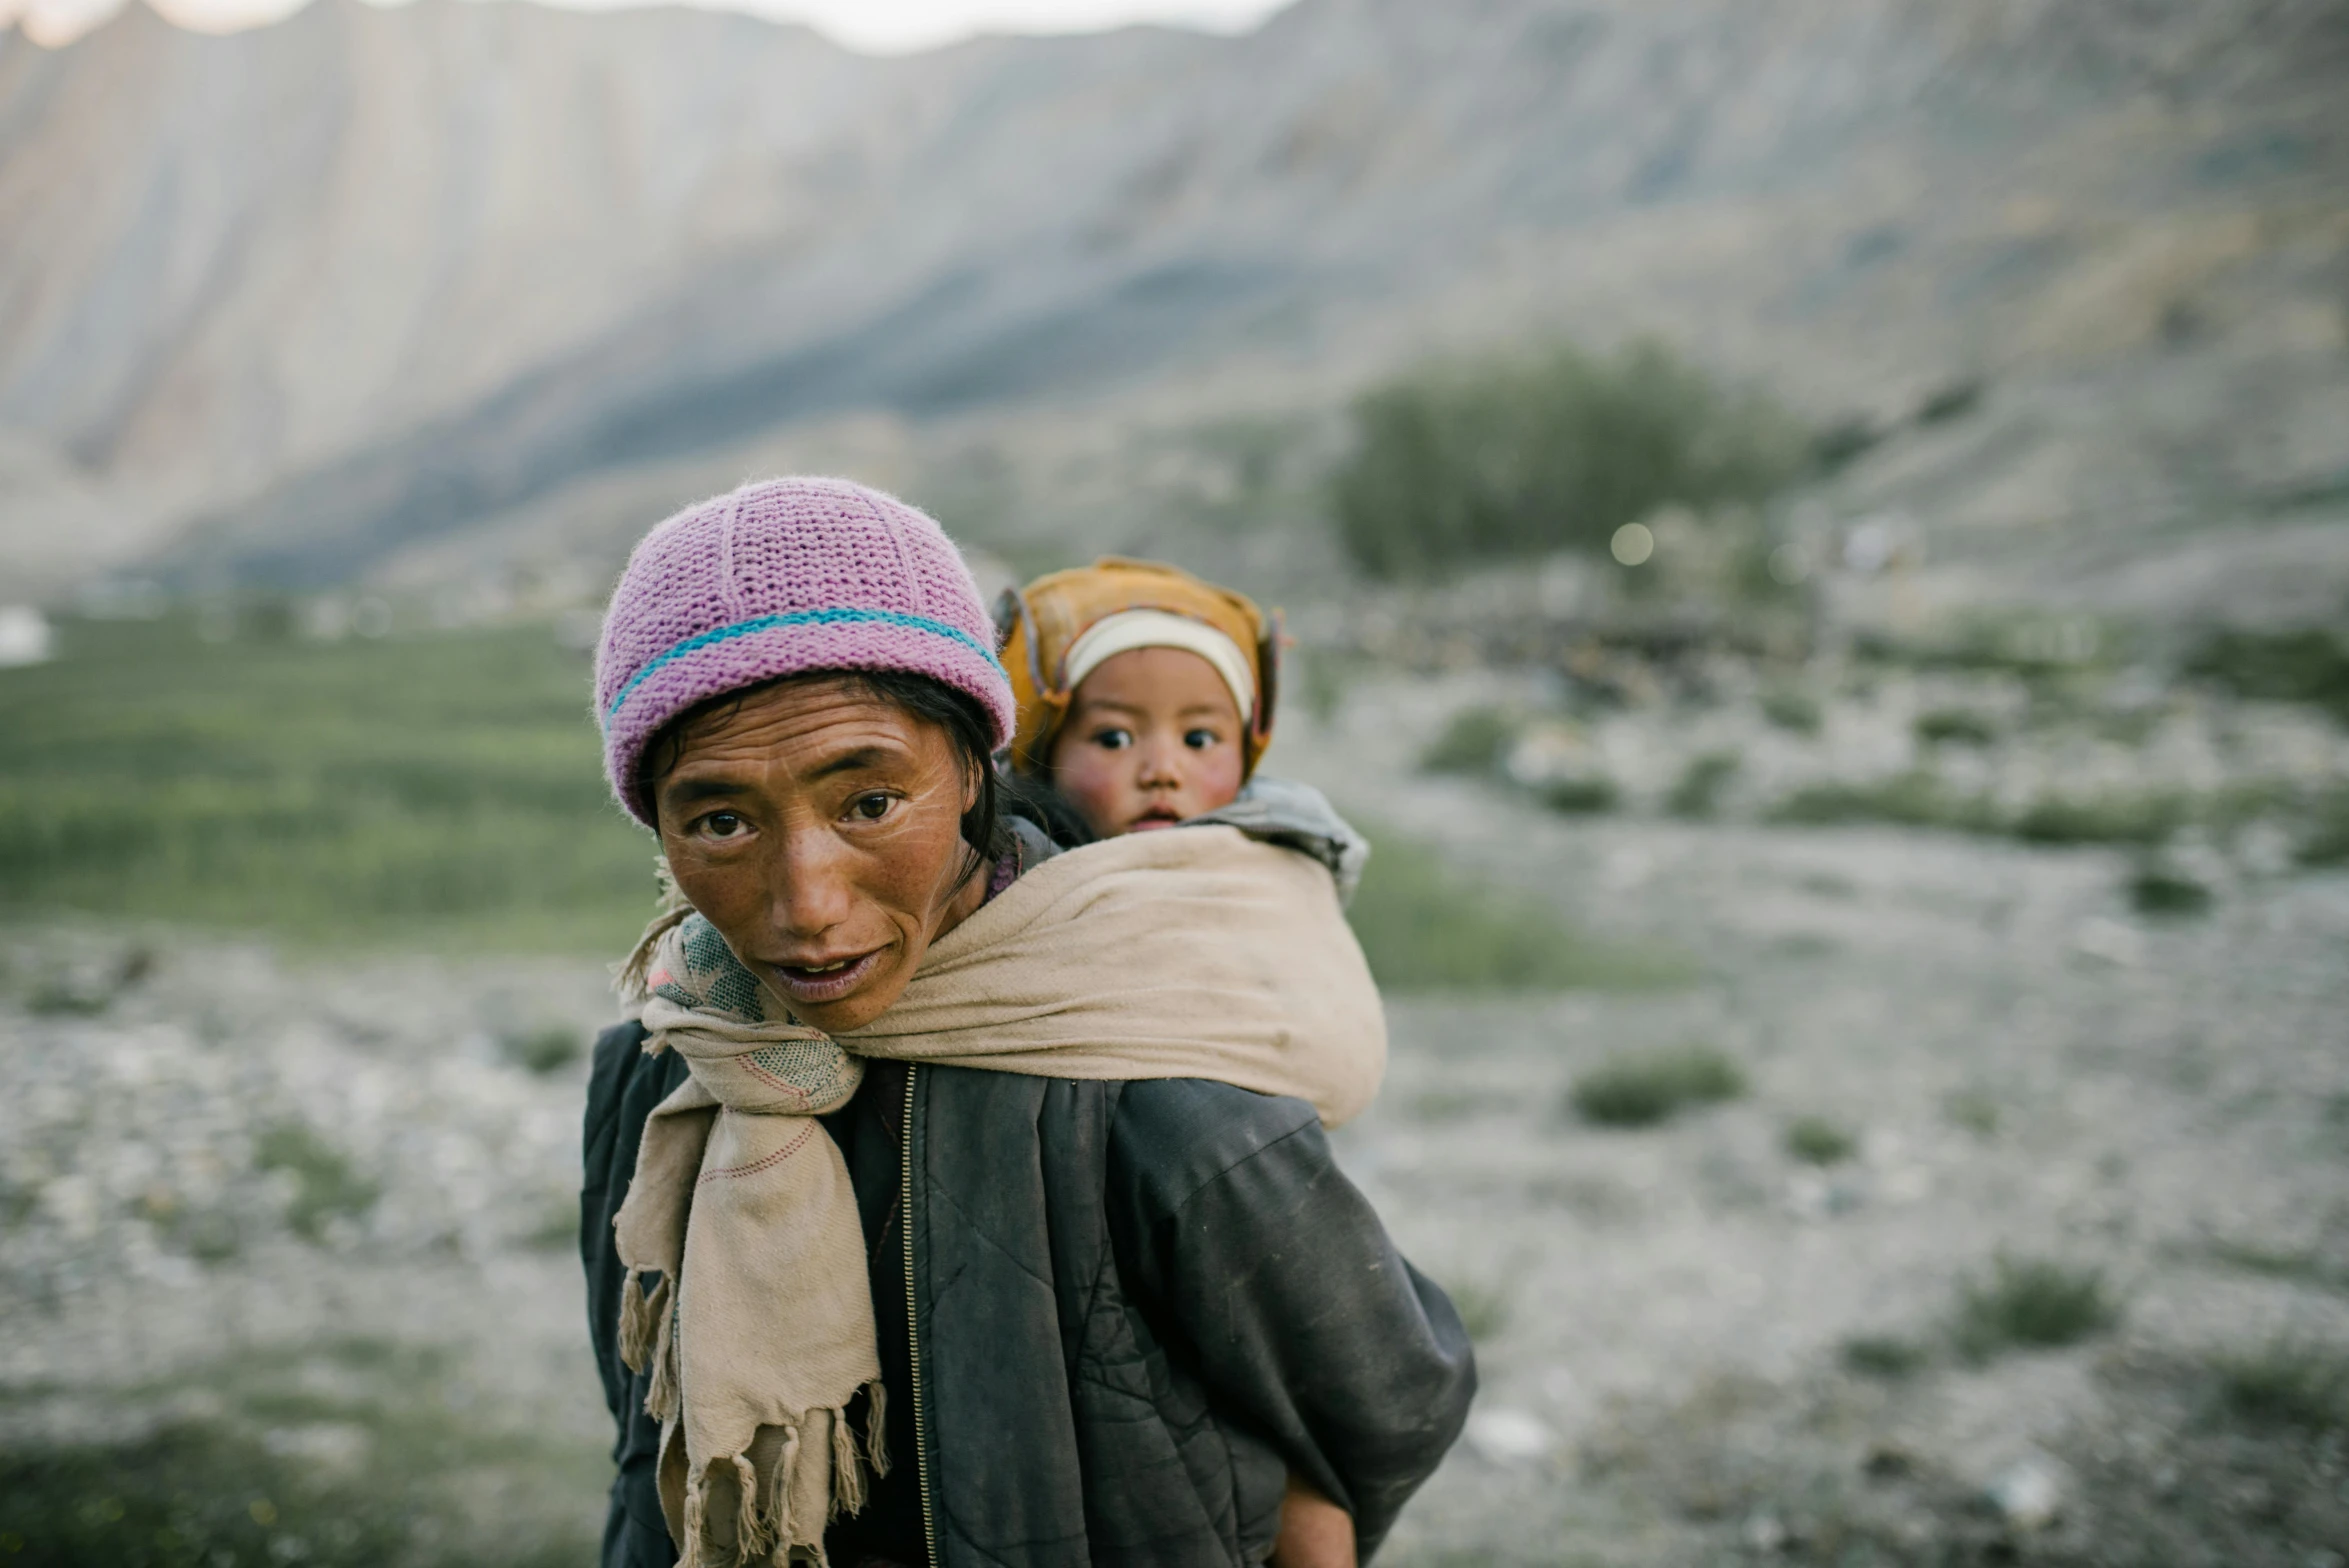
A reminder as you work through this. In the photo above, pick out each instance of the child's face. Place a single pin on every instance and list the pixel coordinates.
(1152, 737)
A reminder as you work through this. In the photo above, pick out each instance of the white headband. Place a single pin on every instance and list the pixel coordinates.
(1131, 629)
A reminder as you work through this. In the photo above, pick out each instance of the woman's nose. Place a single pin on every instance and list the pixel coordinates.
(810, 890)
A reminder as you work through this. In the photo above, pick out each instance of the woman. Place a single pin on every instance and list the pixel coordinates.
(1074, 1280)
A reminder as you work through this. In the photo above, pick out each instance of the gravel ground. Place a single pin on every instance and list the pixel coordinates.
(221, 1167)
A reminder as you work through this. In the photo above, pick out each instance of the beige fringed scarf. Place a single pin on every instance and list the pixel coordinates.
(1196, 953)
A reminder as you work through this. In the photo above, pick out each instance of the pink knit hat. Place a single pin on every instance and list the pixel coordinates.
(783, 576)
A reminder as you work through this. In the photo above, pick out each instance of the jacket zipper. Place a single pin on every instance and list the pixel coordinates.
(913, 1337)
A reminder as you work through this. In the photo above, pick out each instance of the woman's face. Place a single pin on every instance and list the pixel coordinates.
(819, 829)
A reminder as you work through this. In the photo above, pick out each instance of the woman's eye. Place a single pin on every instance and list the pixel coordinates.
(871, 808)
(1113, 740)
(722, 824)
(1199, 740)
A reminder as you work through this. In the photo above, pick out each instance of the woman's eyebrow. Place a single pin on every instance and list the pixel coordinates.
(686, 792)
(853, 762)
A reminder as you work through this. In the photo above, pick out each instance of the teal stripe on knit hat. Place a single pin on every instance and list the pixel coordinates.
(765, 623)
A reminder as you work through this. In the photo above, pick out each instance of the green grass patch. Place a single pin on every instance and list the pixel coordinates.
(1484, 1308)
(1793, 710)
(2160, 891)
(1882, 1355)
(2288, 1382)
(1644, 1088)
(1474, 742)
(545, 1050)
(348, 1456)
(2120, 818)
(2325, 842)
(1959, 726)
(1975, 1110)
(2032, 1304)
(326, 1185)
(2306, 665)
(1697, 792)
(1425, 924)
(1579, 797)
(436, 790)
(1914, 799)
(1817, 1141)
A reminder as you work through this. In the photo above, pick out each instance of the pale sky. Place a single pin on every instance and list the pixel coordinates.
(877, 26)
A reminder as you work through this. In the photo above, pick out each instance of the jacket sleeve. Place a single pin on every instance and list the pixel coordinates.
(622, 1090)
(1271, 1269)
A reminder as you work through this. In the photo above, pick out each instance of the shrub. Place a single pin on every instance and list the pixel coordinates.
(1817, 1141)
(1474, 742)
(1579, 797)
(2288, 1382)
(1882, 1355)
(2145, 818)
(2326, 841)
(2034, 1304)
(1484, 1308)
(1914, 799)
(326, 1187)
(1643, 1089)
(1425, 925)
(1698, 790)
(2156, 890)
(1961, 725)
(2307, 665)
(1480, 461)
(543, 1051)
(1974, 1110)
(1789, 709)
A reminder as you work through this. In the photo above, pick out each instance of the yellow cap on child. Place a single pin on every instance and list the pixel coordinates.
(1062, 627)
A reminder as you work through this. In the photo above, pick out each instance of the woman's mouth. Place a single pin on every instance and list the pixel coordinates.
(816, 984)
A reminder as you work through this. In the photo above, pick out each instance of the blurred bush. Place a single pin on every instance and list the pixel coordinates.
(1644, 1088)
(1458, 463)
(2032, 1304)
(2308, 665)
(1425, 925)
(1475, 742)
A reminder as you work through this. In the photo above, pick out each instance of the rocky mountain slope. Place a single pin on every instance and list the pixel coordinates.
(378, 292)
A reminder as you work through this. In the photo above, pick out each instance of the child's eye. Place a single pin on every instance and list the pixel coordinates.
(1200, 740)
(1113, 739)
(871, 808)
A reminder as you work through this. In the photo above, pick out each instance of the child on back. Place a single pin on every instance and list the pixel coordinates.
(1145, 701)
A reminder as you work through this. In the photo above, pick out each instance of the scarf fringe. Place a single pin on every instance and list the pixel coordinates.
(661, 1400)
(644, 1320)
(877, 1427)
(754, 1526)
(848, 1469)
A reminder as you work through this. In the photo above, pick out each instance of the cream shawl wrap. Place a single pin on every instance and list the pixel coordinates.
(1197, 953)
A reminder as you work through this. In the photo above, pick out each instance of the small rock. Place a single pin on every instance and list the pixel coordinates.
(330, 1445)
(1888, 1462)
(1506, 1436)
(2111, 942)
(2028, 1496)
(1763, 1531)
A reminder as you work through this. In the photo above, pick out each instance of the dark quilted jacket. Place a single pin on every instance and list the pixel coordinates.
(1138, 1306)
